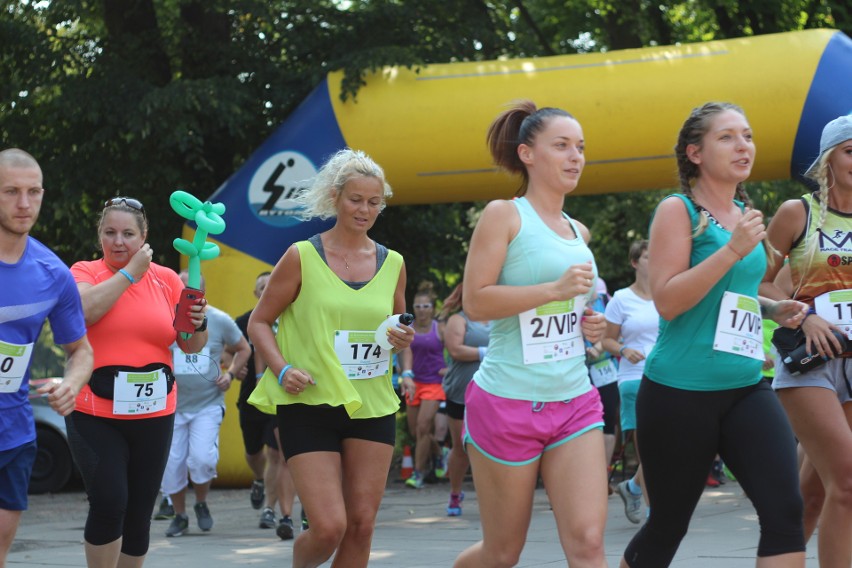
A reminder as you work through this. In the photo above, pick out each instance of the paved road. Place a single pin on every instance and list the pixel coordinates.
(413, 532)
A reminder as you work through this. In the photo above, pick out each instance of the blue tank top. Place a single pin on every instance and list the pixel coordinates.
(536, 255)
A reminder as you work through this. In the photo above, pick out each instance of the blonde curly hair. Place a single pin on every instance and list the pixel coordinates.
(319, 199)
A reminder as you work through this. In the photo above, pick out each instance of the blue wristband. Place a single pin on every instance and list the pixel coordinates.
(482, 351)
(257, 376)
(407, 374)
(127, 275)
(283, 372)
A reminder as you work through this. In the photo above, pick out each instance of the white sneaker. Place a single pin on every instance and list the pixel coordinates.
(632, 503)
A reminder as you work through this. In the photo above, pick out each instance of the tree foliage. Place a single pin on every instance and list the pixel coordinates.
(142, 97)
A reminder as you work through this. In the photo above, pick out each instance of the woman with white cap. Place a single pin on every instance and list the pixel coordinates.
(816, 232)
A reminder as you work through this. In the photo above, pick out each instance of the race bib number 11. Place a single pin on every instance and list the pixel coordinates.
(836, 307)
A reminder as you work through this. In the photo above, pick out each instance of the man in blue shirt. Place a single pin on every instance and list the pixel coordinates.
(36, 286)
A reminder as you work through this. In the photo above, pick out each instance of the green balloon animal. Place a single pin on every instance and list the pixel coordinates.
(208, 217)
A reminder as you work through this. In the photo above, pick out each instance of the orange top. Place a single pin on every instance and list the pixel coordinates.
(135, 332)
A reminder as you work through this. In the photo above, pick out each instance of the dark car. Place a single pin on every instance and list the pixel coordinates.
(54, 467)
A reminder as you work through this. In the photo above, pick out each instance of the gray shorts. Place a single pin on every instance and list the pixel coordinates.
(835, 375)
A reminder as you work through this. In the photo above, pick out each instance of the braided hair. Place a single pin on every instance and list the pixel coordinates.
(692, 133)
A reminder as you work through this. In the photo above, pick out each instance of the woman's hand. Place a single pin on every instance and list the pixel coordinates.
(400, 336)
(632, 355)
(749, 231)
(593, 325)
(576, 281)
(788, 313)
(295, 381)
(818, 336)
(407, 387)
(196, 313)
(139, 262)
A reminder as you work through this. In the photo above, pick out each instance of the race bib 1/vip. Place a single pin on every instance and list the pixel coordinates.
(739, 329)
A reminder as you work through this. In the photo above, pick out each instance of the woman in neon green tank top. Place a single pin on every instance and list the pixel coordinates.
(702, 392)
(816, 232)
(327, 380)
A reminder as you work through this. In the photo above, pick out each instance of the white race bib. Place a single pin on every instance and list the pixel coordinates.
(739, 329)
(14, 360)
(552, 332)
(603, 373)
(359, 354)
(139, 392)
(836, 307)
(191, 363)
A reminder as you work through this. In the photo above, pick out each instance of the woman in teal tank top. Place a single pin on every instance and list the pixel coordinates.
(702, 392)
(530, 409)
(816, 232)
(326, 377)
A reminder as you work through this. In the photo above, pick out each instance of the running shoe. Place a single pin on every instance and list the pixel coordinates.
(632, 503)
(267, 519)
(179, 526)
(441, 463)
(257, 493)
(305, 525)
(285, 528)
(712, 481)
(166, 511)
(415, 481)
(202, 514)
(454, 509)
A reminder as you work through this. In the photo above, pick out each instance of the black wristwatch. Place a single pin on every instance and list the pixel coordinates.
(203, 326)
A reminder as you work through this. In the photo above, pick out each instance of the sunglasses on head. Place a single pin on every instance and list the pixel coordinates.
(422, 306)
(128, 201)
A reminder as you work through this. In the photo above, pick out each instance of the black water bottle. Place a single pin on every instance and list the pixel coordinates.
(799, 361)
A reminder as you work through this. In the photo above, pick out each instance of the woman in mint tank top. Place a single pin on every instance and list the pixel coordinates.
(702, 392)
(327, 379)
(814, 231)
(530, 409)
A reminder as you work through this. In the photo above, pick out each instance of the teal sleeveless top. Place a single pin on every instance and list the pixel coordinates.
(536, 255)
(683, 356)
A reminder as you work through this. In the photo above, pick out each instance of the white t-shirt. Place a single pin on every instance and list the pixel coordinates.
(640, 324)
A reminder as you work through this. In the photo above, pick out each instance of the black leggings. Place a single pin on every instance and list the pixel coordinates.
(122, 464)
(680, 433)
